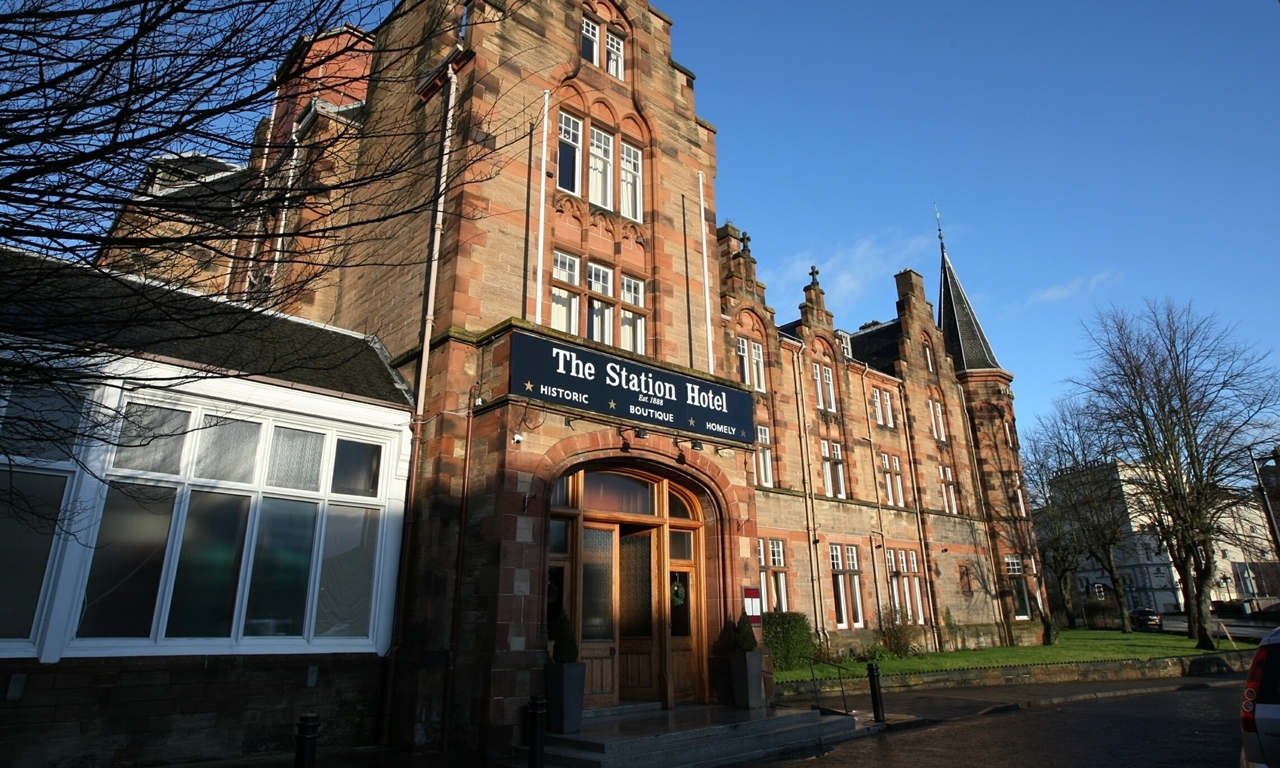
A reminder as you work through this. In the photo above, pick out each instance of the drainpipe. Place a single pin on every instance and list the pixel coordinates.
(706, 272)
(871, 446)
(455, 628)
(288, 190)
(419, 420)
(446, 149)
(924, 543)
(805, 481)
(542, 209)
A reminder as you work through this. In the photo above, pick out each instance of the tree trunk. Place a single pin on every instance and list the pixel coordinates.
(1189, 601)
(1204, 621)
(1122, 599)
(1065, 584)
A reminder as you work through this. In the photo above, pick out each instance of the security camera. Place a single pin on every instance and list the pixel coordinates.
(517, 438)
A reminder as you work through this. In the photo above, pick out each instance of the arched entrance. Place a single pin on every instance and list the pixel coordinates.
(624, 563)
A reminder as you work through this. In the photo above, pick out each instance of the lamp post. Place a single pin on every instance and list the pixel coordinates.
(1258, 462)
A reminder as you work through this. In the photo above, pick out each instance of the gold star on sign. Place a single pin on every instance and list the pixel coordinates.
(693, 423)
(612, 405)
(528, 386)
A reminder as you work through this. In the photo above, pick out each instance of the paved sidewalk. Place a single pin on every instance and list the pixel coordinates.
(907, 708)
(904, 709)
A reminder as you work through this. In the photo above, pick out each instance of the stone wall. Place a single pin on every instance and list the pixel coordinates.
(148, 711)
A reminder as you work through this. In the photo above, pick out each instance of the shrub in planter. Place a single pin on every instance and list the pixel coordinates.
(565, 679)
(744, 635)
(746, 666)
(789, 639)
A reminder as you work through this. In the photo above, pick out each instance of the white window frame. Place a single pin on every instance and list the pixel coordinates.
(928, 356)
(897, 480)
(829, 383)
(947, 489)
(888, 479)
(817, 384)
(827, 485)
(615, 55)
(632, 182)
(71, 556)
(600, 171)
(879, 408)
(915, 583)
(941, 422)
(565, 303)
(774, 574)
(837, 462)
(631, 322)
(744, 361)
(888, 408)
(590, 35)
(764, 458)
(571, 142)
(757, 366)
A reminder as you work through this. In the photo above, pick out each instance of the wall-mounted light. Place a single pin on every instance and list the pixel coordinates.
(695, 445)
(568, 422)
(517, 439)
(639, 433)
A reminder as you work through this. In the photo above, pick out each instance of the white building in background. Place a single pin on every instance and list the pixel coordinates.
(1246, 560)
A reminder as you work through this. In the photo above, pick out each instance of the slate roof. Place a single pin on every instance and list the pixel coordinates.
(877, 346)
(87, 308)
(965, 341)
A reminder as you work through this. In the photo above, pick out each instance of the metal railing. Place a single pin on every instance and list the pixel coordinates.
(813, 679)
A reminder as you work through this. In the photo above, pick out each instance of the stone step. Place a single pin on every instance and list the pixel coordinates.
(611, 736)
(622, 709)
(706, 747)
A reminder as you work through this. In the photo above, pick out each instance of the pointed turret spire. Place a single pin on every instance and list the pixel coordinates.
(966, 343)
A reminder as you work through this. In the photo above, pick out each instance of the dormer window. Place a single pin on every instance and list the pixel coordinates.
(614, 48)
(591, 41)
(613, 56)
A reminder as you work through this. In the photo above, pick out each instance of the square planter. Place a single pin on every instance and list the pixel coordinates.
(748, 679)
(565, 684)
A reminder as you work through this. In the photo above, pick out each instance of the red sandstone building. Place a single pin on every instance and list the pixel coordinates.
(610, 422)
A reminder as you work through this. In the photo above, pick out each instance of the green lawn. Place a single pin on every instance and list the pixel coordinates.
(1072, 645)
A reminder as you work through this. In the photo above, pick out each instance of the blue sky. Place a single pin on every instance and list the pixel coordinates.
(1083, 155)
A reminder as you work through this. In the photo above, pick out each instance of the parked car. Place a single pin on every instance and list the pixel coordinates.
(1145, 618)
(1260, 707)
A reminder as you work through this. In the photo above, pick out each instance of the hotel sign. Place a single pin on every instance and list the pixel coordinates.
(564, 374)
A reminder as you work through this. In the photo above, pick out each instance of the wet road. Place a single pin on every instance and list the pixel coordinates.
(1162, 730)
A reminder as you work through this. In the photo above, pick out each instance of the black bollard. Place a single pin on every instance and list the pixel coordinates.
(877, 698)
(537, 730)
(307, 736)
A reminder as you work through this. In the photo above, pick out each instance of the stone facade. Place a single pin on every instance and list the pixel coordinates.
(879, 479)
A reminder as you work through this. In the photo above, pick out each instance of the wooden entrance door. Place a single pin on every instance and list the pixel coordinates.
(635, 587)
(599, 647)
(639, 670)
(683, 655)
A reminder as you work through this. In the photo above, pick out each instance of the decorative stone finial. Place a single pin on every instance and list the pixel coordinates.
(813, 273)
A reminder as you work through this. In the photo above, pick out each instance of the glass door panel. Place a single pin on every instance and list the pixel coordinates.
(599, 647)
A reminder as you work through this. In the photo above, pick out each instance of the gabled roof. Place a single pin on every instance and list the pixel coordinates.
(99, 311)
(966, 343)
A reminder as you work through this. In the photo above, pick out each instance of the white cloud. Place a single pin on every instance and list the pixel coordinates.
(848, 274)
(1077, 287)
